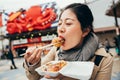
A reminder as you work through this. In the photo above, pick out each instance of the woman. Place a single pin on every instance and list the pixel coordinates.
(81, 44)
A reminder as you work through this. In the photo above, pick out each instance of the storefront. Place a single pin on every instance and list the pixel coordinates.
(21, 42)
(36, 26)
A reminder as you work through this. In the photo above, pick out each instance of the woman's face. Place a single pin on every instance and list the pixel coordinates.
(70, 29)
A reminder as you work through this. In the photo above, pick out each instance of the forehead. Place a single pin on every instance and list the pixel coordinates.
(68, 14)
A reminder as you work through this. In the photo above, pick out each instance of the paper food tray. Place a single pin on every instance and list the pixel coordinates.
(41, 71)
(77, 70)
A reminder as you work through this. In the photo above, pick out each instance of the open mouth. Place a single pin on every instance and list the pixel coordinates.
(58, 41)
(62, 39)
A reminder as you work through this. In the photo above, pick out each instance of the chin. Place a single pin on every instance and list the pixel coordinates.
(64, 48)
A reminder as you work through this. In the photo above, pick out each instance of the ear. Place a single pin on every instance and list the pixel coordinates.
(85, 32)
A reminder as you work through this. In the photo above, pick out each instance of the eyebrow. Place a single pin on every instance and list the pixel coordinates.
(68, 19)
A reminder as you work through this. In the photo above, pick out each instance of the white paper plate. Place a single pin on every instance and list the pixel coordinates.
(77, 70)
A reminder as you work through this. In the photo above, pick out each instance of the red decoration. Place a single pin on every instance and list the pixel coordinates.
(33, 19)
(1, 20)
(32, 40)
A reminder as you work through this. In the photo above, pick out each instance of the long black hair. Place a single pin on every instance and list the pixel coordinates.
(83, 14)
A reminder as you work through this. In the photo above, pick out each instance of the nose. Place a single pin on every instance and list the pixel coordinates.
(61, 30)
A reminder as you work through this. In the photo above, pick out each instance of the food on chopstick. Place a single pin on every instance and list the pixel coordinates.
(54, 67)
(58, 41)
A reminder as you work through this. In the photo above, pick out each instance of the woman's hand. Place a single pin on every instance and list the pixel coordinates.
(60, 76)
(33, 55)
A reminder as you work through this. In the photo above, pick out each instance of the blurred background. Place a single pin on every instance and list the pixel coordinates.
(106, 25)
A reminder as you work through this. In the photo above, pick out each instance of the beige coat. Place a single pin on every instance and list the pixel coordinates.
(100, 72)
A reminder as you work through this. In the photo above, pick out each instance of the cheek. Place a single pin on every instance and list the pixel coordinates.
(75, 36)
(76, 32)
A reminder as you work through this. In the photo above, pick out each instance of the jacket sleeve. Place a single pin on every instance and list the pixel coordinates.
(30, 71)
(105, 69)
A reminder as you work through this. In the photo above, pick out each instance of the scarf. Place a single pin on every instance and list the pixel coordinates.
(81, 53)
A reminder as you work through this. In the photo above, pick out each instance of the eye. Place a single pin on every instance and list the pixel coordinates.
(59, 23)
(68, 23)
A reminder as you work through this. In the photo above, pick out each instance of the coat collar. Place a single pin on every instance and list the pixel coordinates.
(101, 52)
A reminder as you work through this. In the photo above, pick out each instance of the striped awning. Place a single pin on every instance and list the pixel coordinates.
(56, 10)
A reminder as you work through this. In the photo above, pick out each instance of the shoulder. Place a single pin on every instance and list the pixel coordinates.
(103, 64)
(104, 58)
(102, 52)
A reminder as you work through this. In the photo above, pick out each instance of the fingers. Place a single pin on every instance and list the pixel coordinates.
(47, 76)
(29, 52)
(60, 76)
(33, 55)
(30, 49)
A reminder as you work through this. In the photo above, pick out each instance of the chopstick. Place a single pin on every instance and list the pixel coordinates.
(46, 46)
(43, 47)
